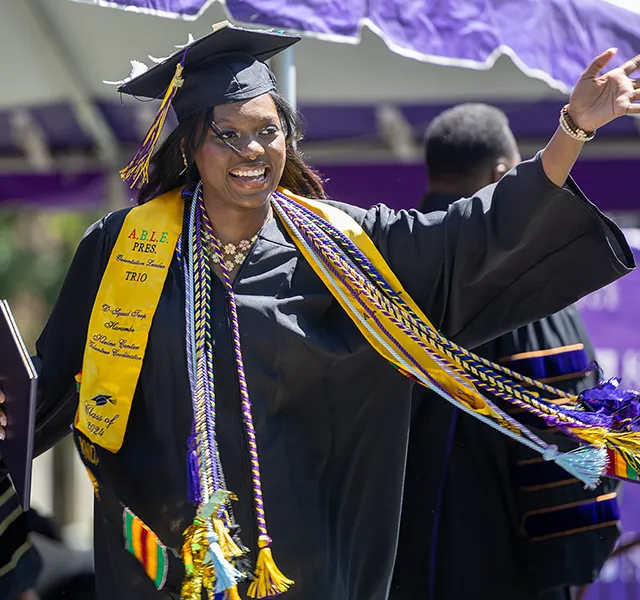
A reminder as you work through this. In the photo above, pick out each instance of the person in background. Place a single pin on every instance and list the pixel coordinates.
(20, 563)
(67, 573)
(35, 563)
(546, 532)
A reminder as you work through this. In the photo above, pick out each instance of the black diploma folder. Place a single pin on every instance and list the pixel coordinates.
(18, 381)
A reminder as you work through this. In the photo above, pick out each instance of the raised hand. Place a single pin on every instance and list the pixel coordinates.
(598, 99)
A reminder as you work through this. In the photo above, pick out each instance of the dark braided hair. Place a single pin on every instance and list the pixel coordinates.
(165, 172)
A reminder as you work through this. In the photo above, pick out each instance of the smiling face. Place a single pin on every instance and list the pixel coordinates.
(246, 177)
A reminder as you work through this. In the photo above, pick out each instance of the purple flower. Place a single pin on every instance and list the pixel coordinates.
(615, 407)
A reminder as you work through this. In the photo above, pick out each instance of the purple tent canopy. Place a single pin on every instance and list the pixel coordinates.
(552, 40)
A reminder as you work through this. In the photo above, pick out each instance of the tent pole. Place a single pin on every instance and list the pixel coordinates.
(284, 68)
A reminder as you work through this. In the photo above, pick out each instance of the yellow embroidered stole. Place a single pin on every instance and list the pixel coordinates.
(121, 318)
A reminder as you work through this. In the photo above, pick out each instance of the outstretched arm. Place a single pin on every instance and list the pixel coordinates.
(595, 101)
(523, 248)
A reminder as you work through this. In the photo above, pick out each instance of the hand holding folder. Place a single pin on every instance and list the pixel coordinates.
(18, 383)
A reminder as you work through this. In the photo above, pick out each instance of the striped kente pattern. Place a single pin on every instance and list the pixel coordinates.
(146, 547)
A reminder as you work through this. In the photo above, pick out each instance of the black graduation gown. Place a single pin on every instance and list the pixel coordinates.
(332, 417)
(466, 493)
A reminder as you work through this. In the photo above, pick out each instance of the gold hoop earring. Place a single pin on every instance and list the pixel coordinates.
(186, 164)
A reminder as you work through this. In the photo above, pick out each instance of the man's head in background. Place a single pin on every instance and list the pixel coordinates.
(467, 148)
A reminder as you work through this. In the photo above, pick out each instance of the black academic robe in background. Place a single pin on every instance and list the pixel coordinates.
(20, 563)
(331, 417)
(469, 489)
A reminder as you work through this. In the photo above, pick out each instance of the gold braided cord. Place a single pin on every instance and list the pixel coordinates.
(403, 313)
(357, 257)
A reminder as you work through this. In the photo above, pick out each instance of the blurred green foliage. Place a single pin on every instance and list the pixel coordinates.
(36, 247)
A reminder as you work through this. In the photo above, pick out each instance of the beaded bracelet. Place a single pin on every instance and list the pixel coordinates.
(569, 126)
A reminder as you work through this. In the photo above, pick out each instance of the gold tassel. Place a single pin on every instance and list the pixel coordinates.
(629, 440)
(595, 436)
(627, 444)
(229, 548)
(232, 594)
(600, 436)
(269, 581)
(194, 549)
(94, 481)
(137, 171)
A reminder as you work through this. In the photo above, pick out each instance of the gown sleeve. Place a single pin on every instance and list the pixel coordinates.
(517, 251)
(60, 347)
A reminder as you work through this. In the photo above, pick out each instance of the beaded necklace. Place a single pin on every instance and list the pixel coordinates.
(229, 255)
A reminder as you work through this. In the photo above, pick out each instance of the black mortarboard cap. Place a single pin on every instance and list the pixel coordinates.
(224, 66)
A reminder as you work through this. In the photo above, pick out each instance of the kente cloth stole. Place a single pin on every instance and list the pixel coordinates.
(373, 298)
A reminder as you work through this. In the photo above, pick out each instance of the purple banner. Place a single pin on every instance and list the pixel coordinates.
(613, 322)
(87, 189)
(553, 40)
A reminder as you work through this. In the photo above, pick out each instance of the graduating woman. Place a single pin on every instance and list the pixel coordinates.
(237, 355)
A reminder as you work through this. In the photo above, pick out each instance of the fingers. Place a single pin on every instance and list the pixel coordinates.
(600, 62)
(633, 109)
(636, 83)
(631, 65)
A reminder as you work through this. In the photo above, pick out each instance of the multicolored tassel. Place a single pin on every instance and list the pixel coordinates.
(269, 580)
(137, 171)
(206, 566)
